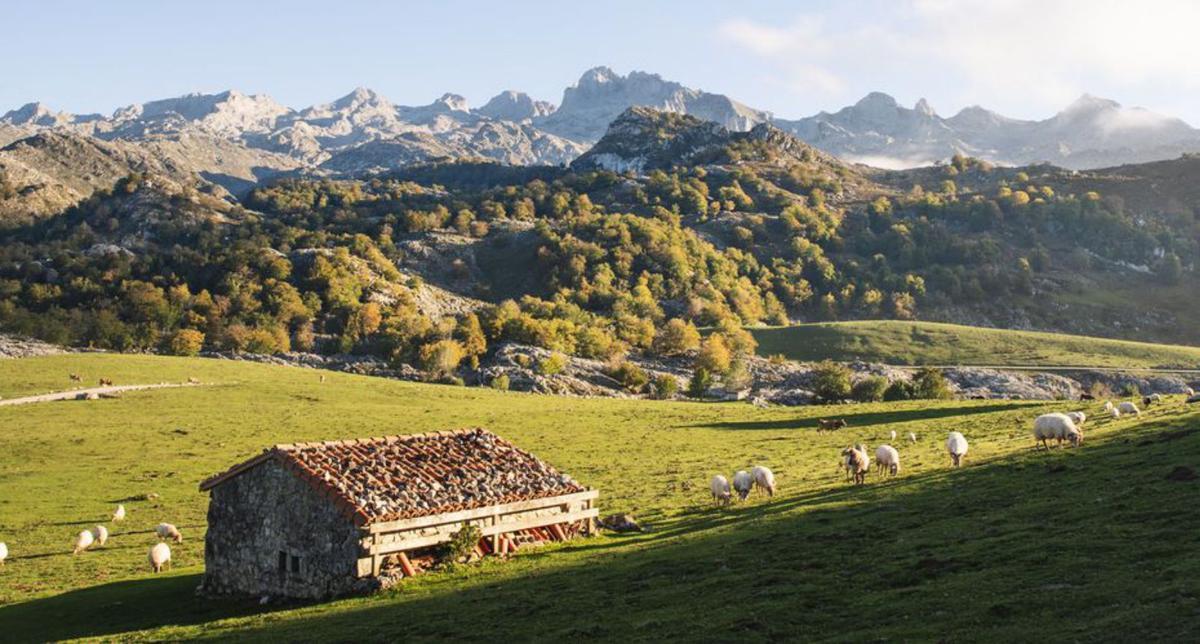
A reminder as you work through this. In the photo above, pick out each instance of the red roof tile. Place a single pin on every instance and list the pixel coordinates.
(400, 477)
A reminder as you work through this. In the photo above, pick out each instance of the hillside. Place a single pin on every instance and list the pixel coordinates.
(916, 343)
(890, 553)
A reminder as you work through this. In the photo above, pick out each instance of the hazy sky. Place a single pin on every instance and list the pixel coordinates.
(1025, 58)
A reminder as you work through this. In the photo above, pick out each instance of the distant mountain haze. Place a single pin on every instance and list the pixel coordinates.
(363, 132)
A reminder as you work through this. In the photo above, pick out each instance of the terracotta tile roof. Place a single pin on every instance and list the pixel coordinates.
(400, 477)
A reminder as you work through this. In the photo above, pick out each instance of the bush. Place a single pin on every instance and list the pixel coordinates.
(714, 356)
(552, 364)
(831, 381)
(665, 386)
(900, 390)
(631, 376)
(500, 382)
(869, 389)
(186, 342)
(700, 382)
(738, 377)
(1131, 390)
(676, 337)
(458, 549)
(929, 383)
(441, 358)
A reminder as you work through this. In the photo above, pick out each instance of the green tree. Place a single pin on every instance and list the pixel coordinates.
(186, 342)
(831, 381)
(869, 389)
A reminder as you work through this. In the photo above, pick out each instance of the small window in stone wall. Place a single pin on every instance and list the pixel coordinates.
(283, 561)
(295, 564)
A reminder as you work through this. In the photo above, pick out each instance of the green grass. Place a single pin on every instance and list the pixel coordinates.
(914, 343)
(1083, 544)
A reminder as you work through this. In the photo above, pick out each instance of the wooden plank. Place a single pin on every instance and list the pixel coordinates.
(478, 513)
(490, 530)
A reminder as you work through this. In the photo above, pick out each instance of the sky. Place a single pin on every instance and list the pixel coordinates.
(1023, 58)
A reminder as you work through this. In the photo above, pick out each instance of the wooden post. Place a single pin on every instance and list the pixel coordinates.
(407, 566)
(496, 537)
(376, 559)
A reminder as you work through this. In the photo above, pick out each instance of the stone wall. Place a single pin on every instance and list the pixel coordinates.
(266, 511)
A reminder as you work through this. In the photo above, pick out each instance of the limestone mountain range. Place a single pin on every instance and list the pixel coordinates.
(237, 140)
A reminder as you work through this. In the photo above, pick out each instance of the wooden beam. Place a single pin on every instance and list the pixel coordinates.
(479, 513)
(495, 531)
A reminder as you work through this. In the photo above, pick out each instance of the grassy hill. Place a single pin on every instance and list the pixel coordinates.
(1017, 546)
(910, 343)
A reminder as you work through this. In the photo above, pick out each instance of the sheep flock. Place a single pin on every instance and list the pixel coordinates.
(98, 537)
(1057, 429)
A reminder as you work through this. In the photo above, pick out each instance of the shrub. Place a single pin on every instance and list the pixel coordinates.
(1100, 390)
(831, 381)
(458, 548)
(700, 382)
(900, 390)
(714, 356)
(552, 364)
(665, 386)
(500, 382)
(869, 389)
(631, 376)
(186, 342)
(929, 383)
(676, 337)
(441, 358)
(738, 377)
(1130, 390)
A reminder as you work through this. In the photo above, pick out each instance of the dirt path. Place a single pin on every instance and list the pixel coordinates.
(83, 394)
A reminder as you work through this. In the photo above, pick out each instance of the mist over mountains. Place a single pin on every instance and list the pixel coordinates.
(238, 139)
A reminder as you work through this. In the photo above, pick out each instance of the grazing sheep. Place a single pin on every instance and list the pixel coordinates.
(764, 478)
(893, 434)
(119, 514)
(887, 459)
(1188, 391)
(857, 464)
(167, 531)
(720, 490)
(83, 541)
(1129, 408)
(160, 555)
(956, 445)
(3, 553)
(828, 425)
(1108, 406)
(912, 438)
(101, 535)
(1077, 417)
(1058, 427)
(743, 483)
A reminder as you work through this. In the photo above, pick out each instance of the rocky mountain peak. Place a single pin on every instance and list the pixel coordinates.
(453, 102)
(922, 107)
(514, 106)
(35, 114)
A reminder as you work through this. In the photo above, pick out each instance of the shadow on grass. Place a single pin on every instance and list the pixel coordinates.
(948, 554)
(868, 419)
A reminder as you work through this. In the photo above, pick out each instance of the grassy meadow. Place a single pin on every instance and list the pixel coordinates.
(1019, 545)
(931, 343)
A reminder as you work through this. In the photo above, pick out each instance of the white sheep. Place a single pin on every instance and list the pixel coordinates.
(167, 531)
(743, 483)
(893, 434)
(720, 489)
(83, 541)
(856, 463)
(1077, 417)
(160, 555)
(119, 514)
(1058, 427)
(1108, 406)
(887, 459)
(101, 535)
(3, 553)
(956, 445)
(912, 438)
(764, 478)
(1129, 408)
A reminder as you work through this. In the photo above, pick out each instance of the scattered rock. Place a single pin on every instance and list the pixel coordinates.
(621, 523)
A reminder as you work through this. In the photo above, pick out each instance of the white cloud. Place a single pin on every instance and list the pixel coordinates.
(1035, 53)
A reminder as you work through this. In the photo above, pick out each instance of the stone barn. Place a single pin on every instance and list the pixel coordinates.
(314, 520)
